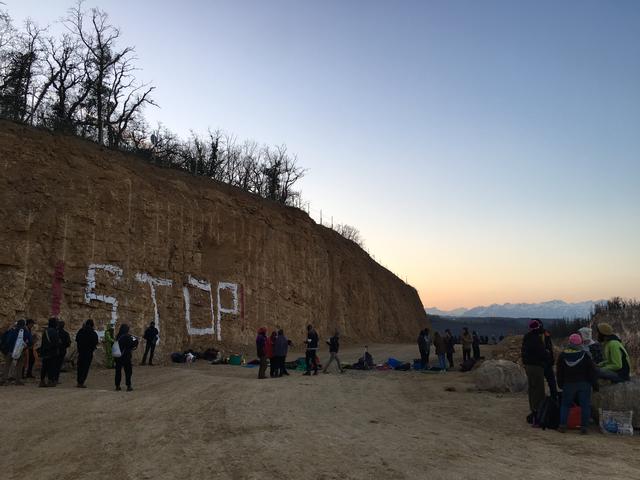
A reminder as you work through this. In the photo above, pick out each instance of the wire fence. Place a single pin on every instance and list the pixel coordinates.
(321, 217)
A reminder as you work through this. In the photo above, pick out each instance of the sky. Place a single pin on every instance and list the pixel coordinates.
(488, 151)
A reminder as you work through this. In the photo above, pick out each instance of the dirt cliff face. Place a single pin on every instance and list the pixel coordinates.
(91, 233)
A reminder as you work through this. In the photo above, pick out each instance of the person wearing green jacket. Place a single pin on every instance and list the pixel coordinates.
(108, 344)
(615, 366)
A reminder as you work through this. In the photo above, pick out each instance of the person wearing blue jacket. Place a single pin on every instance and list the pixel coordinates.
(13, 366)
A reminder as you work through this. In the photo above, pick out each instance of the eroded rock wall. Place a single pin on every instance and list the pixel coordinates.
(92, 233)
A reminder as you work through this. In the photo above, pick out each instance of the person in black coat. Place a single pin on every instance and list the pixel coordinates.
(534, 358)
(475, 345)
(65, 343)
(128, 343)
(312, 350)
(151, 338)
(424, 345)
(87, 342)
(49, 353)
(334, 348)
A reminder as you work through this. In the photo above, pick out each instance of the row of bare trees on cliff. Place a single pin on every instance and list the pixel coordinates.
(83, 82)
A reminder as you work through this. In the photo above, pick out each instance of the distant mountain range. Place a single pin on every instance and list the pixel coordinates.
(552, 309)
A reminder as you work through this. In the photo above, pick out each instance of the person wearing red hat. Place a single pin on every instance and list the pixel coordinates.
(534, 358)
(576, 377)
(261, 347)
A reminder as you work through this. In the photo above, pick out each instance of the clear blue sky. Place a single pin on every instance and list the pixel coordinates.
(489, 151)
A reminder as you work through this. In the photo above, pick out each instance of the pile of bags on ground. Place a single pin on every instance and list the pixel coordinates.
(189, 356)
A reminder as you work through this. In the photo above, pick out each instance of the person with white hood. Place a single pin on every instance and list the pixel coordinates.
(14, 342)
(593, 348)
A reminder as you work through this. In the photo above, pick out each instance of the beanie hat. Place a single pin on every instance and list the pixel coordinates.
(575, 339)
(586, 333)
(605, 329)
(534, 325)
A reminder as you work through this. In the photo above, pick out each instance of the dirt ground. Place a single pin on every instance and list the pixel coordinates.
(220, 422)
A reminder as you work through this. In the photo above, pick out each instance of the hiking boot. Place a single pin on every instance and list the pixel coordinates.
(324, 371)
(129, 388)
(315, 373)
(562, 429)
(142, 364)
(307, 373)
(81, 385)
(42, 384)
(150, 364)
(118, 389)
(18, 382)
(584, 431)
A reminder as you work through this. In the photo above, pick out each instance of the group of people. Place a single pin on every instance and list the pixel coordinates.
(19, 346)
(578, 369)
(274, 349)
(445, 347)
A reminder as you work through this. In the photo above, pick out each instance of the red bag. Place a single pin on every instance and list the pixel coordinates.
(575, 417)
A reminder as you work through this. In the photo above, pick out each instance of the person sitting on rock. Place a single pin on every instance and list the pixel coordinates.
(615, 366)
(576, 374)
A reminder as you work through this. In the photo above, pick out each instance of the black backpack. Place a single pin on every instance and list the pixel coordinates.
(548, 414)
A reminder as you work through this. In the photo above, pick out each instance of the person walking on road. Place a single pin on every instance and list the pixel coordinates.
(334, 347)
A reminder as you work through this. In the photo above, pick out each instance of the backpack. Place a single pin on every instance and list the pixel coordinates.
(548, 414)
(467, 365)
(115, 350)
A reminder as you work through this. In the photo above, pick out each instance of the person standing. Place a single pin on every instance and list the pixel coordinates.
(49, 354)
(87, 342)
(151, 337)
(274, 367)
(64, 344)
(424, 346)
(109, 339)
(334, 347)
(15, 342)
(475, 344)
(128, 343)
(576, 377)
(281, 349)
(549, 375)
(450, 346)
(467, 342)
(30, 359)
(534, 358)
(441, 351)
(311, 351)
(261, 348)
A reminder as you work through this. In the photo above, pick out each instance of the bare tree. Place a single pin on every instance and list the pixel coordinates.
(113, 98)
(350, 233)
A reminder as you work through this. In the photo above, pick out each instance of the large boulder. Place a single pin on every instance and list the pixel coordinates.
(620, 397)
(500, 376)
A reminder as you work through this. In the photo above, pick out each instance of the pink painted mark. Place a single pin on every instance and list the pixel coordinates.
(56, 288)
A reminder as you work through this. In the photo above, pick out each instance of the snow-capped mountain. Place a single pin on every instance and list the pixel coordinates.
(552, 309)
